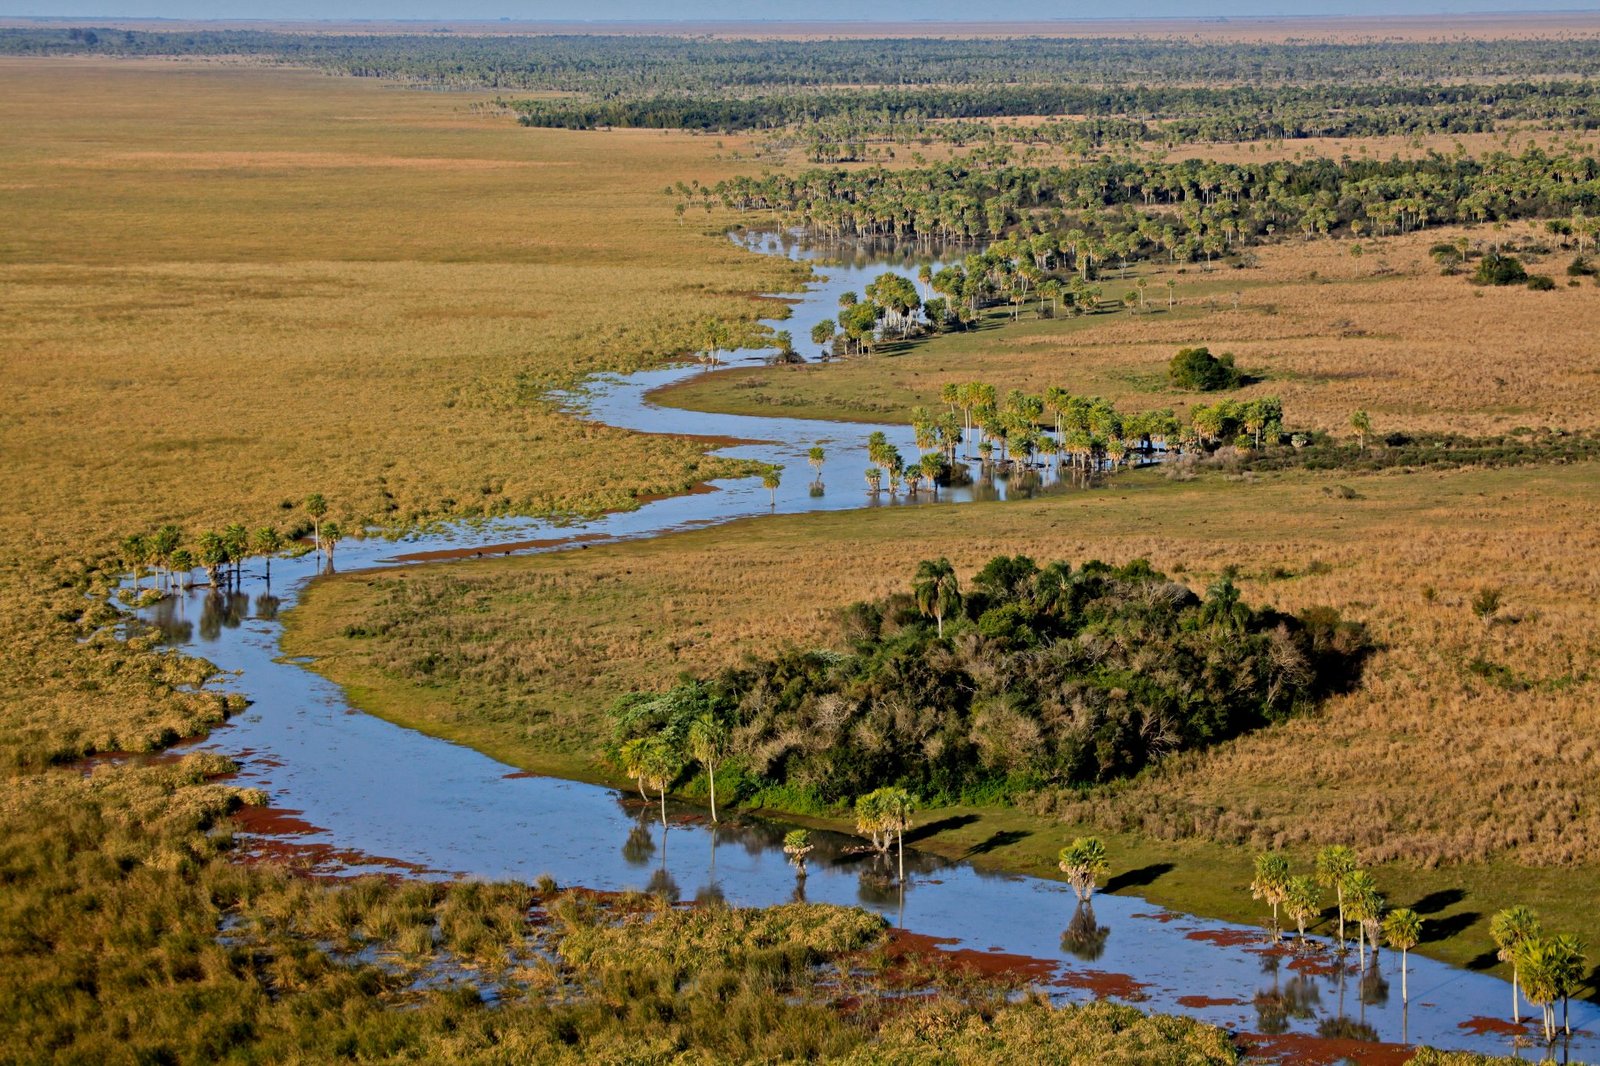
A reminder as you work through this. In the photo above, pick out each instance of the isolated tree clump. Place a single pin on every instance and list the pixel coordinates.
(1018, 678)
(1497, 269)
(1197, 370)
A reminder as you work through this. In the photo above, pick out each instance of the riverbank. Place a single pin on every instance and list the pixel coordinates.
(644, 612)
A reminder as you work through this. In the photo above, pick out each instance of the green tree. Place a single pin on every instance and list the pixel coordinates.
(163, 544)
(1271, 883)
(708, 746)
(268, 542)
(816, 457)
(331, 536)
(1568, 964)
(1197, 370)
(237, 540)
(771, 478)
(936, 590)
(1509, 928)
(1302, 901)
(213, 554)
(1403, 929)
(660, 764)
(1335, 864)
(317, 508)
(1361, 422)
(1364, 905)
(822, 335)
(135, 551)
(1084, 862)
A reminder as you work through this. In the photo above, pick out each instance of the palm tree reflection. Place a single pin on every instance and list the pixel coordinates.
(1085, 938)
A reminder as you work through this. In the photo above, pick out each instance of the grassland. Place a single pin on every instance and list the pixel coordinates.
(1326, 331)
(1454, 775)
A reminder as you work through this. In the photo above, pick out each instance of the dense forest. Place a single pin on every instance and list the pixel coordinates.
(1030, 676)
(1158, 113)
(641, 65)
(1123, 210)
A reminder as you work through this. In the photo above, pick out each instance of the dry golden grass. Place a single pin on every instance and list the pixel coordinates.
(226, 288)
(1330, 331)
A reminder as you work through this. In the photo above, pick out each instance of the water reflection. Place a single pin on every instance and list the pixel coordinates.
(1295, 999)
(1085, 938)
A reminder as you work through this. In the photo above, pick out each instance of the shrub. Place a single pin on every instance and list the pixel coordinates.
(1541, 282)
(1198, 370)
(1497, 269)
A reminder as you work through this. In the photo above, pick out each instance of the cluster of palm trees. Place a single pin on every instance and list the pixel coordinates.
(656, 760)
(1300, 896)
(1543, 968)
(220, 552)
(884, 815)
(1086, 433)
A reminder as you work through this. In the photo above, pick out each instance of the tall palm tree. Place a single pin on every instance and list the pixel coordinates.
(331, 536)
(771, 478)
(135, 550)
(1084, 862)
(1508, 929)
(897, 806)
(1402, 929)
(237, 540)
(268, 542)
(213, 554)
(936, 589)
(708, 743)
(163, 543)
(317, 508)
(816, 457)
(1302, 901)
(1335, 864)
(1271, 883)
(661, 764)
(1365, 906)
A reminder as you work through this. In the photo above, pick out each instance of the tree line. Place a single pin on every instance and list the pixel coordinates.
(172, 557)
(612, 66)
(1119, 211)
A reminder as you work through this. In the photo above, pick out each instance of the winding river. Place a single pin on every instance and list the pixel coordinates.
(355, 792)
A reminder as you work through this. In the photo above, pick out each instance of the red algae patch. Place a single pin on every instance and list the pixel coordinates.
(1319, 965)
(1204, 1002)
(1103, 985)
(1481, 1026)
(1230, 938)
(270, 831)
(1307, 1049)
(904, 946)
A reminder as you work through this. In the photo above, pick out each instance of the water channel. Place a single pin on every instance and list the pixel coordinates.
(365, 794)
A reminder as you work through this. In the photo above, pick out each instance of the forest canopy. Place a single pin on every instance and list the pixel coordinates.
(1028, 677)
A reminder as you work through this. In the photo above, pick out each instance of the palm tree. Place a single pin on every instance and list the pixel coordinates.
(331, 536)
(135, 550)
(317, 508)
(213, 554)
(182, 563)
(874, 480)
(1084, 862)
(1569, 965)
(1365, 906)
(632, 755)
(936, 590)
(1362, 424)
(1302, 901)
(815, 457)
(797, 845)
(1540, 960)
(163, 543)
(771, 478)
(897, 807)
(1271, 883)
(268, 542)
(822, 335)
(1335, 864)
(660, 764)
(1508, 929)
(1402, 929)
(708, 744)
(237, 540)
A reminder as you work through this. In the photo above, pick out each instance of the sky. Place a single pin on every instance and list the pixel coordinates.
(719, 10)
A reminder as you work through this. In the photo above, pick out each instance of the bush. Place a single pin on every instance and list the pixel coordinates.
(1198, 370)
(1541, 282)
(1497, 269)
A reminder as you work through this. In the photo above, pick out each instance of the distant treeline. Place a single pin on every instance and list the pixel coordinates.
(1136, 113)
(606, 67)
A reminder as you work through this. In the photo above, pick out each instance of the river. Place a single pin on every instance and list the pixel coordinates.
(356, 792)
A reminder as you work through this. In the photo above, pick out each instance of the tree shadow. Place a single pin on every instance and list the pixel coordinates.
(1436, 929)
(1001, 839)
(1434, 902)
(1140, 878)
(943, 825)
(1487, 960)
